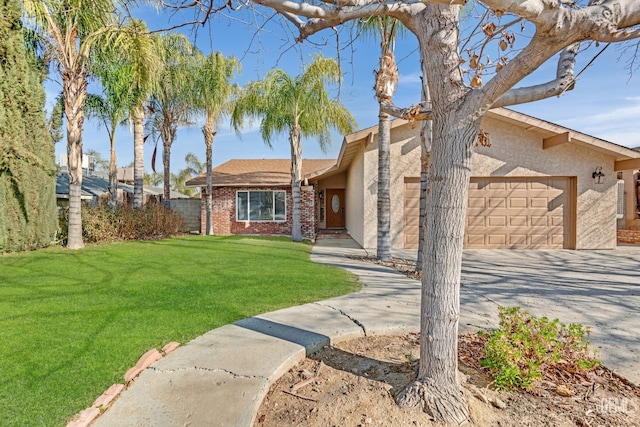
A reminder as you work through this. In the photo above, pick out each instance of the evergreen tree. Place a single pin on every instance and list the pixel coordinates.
(28, 214)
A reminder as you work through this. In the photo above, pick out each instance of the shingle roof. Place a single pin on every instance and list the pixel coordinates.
(258, 172)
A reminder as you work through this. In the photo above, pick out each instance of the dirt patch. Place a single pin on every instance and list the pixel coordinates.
(354, 384)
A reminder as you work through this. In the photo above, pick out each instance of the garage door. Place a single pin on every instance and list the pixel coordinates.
(517, 213)
(411, 212)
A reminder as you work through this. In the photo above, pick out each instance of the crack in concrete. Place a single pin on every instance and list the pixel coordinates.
(214, 370)
(356, 321)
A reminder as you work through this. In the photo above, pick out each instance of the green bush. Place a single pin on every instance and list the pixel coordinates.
(27, 163)
(101, 225)
(520, 350)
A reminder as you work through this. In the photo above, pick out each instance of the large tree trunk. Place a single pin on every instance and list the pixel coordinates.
(113, 174)
(75, 93)
(455, 126)
(209, 133)
(296, 177)
(138, 157)
(384, 194)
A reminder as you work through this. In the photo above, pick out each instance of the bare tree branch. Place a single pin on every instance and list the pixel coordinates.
(564, 81)
(415, 112)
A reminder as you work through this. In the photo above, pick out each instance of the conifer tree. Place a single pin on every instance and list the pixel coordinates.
(28, 214)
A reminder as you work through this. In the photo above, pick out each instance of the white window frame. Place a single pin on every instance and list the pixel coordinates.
(273, 201)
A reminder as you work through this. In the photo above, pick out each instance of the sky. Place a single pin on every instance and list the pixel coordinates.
(605, 102)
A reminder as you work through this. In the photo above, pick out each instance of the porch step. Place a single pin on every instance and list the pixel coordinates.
(333, 233)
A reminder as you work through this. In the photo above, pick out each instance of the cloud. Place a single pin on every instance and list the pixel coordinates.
(613, 123)
(412, 78)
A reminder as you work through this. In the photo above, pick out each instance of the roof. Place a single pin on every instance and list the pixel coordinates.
(552, 134)
(258, 172)
(96, 184)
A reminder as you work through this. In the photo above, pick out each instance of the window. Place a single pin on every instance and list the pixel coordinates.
(260, 206)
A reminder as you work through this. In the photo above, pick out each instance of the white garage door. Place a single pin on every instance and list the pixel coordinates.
(516, 213)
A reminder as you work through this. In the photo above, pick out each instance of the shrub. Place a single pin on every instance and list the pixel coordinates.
(101, 225)
(520, 350)
(153, 221)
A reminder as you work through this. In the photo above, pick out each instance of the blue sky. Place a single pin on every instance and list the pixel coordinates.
(605, 102)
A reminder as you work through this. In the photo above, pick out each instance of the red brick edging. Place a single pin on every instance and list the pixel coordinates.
(87, 416)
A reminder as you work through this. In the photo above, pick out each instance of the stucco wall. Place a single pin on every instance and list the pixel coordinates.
(405, 161)
(513, 152)
(355, 199)
(516, 152)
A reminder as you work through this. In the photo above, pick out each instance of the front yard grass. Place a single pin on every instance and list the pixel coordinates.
(73, 322)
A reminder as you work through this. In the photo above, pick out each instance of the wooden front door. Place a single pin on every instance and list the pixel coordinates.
(335, 208)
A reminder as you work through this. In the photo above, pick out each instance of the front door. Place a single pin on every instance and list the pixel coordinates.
(335, 208)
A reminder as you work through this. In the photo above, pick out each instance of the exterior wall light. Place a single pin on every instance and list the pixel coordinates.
(598, 175)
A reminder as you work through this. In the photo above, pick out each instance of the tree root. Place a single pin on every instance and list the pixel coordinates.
(444, 403)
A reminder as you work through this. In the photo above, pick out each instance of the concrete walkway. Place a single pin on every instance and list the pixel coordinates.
(221, 377)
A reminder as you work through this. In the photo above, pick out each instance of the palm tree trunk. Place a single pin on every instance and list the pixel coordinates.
(209, 133)
(425, 153)
(385, 86)
(138, 157)
(167, 140)
(384, 181)
(75, 93)
(113, 174)
(296, 177)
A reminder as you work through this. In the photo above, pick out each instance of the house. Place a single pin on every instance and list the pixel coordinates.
(95, 189)
(629, 218)
(254, 197)
(537, 186)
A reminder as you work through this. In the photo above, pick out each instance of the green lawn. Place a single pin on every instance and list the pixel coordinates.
(73, 322)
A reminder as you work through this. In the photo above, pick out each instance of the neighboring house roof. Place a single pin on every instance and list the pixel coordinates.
(553, 134)
(96, 184)
(258, 172)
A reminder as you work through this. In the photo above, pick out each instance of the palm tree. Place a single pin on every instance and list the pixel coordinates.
(299, 105)
(112, 109)
(145, 63)
(170, 105)
(68, 31)
(213, 95)
(193, 167)
(386, 28)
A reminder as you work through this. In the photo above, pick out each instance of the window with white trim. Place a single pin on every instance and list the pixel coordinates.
(261, 205)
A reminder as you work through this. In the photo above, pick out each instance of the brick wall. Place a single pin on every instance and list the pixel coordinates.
(629, 236)
(189, 210)
(224, 213)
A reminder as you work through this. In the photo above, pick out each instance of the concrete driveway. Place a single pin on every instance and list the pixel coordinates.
(596, 288)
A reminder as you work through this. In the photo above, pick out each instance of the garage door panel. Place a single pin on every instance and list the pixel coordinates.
(411, 213)
(517, 240)
(412, 203)
(518, 221)
(496, 240)
(497, 221)
(412, 221)
(517, 202)
(506, 212)
(477, 202)
(473, 221)
(532, 215)
(496, 185)
(538, 202)
(495, 202)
